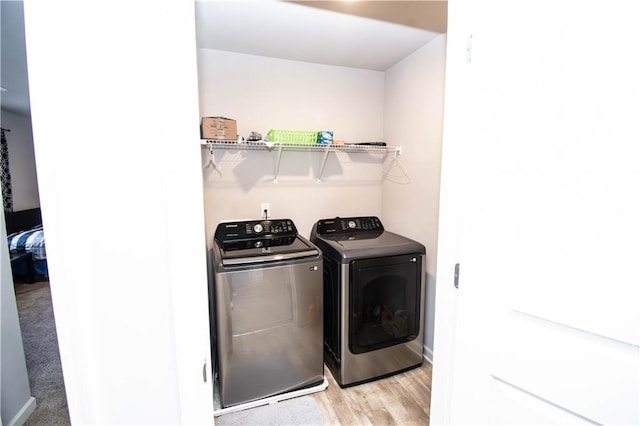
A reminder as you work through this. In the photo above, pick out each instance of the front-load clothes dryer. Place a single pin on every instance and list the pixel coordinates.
(374, 290)
(267, 310)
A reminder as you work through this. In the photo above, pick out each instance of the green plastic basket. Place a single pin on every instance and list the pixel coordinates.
(293, 136)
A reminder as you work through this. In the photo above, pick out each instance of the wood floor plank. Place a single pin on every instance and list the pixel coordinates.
(402, 399)
(329, 414)
(418, 384)
(381, 416)
(340, 404)
(409, 407)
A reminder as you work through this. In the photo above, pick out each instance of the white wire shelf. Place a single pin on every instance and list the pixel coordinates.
(278, 146)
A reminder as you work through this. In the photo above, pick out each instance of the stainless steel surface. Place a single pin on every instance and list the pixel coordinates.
(387, 243)
(345, 242)
(269, 327)
(268, 258)
(356, 368)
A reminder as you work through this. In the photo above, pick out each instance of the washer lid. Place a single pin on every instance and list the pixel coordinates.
(296, 248)
(259, 241)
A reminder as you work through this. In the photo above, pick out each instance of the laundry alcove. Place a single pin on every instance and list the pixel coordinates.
(289, 66)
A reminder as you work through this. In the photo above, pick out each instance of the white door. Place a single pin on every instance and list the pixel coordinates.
(540, 207)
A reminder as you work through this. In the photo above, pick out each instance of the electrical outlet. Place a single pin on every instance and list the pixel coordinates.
(265, 210)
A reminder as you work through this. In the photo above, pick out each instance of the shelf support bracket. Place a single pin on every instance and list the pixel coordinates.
(324, 162)
(277, 170)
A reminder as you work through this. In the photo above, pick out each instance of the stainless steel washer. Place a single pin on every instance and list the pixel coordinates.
(374, 289)
(266, 305)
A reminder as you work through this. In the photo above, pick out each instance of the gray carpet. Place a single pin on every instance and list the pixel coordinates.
(296, 411)
(41, 352)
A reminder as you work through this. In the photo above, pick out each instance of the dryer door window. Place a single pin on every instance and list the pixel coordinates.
(384, 302)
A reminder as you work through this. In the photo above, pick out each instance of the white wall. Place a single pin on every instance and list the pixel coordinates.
(15, 393)
(115, 122)
(24, 180)
(413, 114)
(267, 93)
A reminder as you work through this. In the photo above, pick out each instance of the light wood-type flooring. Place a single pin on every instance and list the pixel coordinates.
(402, 399)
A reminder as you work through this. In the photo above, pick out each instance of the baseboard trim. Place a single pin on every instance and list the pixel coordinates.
(21, 417)
(427, 354)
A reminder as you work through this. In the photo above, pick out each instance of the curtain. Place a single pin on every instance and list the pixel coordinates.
(7, 196)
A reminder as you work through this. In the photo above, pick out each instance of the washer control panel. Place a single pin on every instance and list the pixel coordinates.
(228, 231)
(348, 225)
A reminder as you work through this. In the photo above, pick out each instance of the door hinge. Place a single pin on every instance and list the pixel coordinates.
(456, 275)
(204, 371)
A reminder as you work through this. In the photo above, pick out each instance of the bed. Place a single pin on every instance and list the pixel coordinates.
(25, 235)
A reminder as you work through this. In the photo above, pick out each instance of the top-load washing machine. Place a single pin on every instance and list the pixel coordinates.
(266, 307)
(374, 289)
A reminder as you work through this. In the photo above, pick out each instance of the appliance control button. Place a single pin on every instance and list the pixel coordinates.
(257, 227)
(351, 224)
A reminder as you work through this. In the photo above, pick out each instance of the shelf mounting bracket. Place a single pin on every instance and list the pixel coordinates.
(324, 162)
(277, 170)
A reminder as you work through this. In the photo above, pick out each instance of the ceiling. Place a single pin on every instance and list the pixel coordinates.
(428, 15)
(360, 34)
(319, 34)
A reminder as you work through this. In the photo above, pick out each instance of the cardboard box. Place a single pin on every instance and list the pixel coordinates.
(218, 128)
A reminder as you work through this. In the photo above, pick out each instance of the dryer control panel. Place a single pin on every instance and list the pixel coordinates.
(349, 225)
